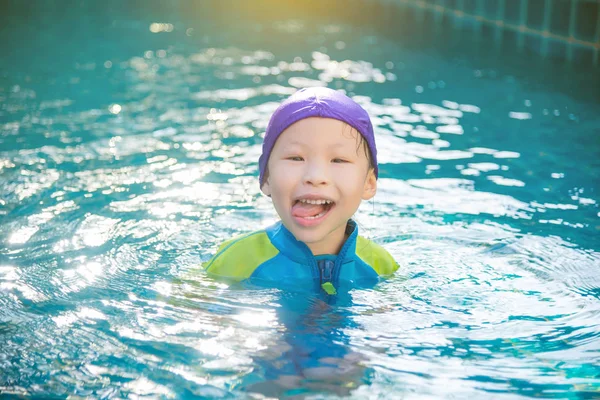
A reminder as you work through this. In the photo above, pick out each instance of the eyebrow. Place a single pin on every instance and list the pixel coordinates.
(297, 143)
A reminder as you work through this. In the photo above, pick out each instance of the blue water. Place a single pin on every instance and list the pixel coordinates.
(129, 139)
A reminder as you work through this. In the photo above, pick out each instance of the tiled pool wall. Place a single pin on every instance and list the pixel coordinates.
(566, 29)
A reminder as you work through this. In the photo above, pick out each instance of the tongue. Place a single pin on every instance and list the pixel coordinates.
(304, 210)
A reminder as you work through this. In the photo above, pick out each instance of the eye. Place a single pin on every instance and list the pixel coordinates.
(339, 161)
(295, 158)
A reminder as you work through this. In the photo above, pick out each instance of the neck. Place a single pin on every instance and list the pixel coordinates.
(332, 244)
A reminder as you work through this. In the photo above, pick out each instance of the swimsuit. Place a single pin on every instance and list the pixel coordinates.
(274, 257)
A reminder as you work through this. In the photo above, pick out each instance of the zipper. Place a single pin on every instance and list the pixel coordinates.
(326, 269)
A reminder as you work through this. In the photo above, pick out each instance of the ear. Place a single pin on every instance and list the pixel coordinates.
(266, 187)
(370, 185)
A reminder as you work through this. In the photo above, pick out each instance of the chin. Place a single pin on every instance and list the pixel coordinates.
(307, 237)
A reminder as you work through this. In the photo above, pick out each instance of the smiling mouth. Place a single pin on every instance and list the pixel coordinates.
(311, 209)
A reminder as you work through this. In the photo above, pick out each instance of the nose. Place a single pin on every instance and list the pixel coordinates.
(315, 174)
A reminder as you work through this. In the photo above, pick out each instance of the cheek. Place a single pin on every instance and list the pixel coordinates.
(353, 183)
(349, 175)
(280, 183)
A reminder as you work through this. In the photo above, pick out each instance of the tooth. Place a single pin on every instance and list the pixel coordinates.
(310, 201)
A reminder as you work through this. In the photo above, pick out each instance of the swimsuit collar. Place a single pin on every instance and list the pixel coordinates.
(299, 252)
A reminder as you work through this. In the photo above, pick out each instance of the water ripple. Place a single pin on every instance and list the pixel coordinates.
(124, 169)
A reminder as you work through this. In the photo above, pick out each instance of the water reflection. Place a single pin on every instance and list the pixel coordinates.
(121, 174)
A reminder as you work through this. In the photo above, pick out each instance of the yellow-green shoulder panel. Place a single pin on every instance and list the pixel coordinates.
(376, 256)
(239, 257)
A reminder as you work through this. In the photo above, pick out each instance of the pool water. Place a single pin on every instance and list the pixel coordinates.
(129, 140)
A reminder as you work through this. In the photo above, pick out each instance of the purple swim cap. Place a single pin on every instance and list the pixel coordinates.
(317, 102)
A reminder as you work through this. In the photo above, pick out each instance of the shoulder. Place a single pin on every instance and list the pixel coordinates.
(239, 257)
(376, 256)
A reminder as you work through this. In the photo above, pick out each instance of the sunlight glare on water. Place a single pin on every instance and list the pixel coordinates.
(123, 166)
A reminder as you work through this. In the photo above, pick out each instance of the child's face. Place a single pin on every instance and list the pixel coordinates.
(318, 160)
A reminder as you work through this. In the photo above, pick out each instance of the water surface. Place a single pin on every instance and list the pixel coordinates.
(129, 139)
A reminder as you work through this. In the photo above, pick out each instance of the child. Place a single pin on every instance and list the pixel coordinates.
(318, 162)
